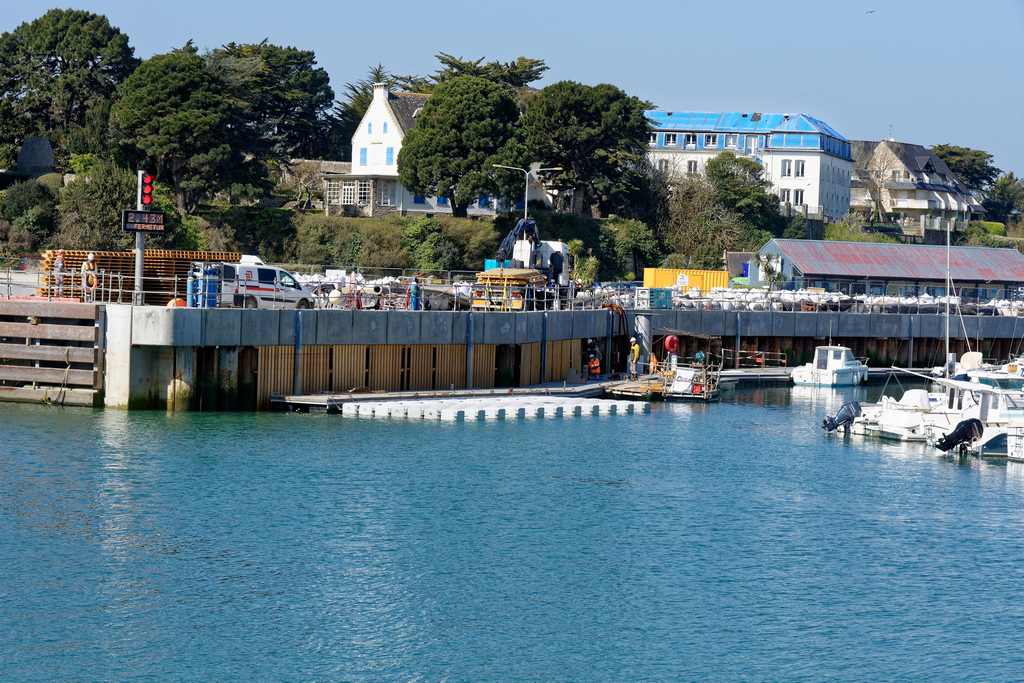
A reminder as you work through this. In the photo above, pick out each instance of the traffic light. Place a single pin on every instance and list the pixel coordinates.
(146, 181)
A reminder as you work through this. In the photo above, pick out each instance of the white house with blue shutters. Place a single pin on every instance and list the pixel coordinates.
(806, 161)
(370, 187)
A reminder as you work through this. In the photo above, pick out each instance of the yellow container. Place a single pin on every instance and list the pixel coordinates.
(704, 279)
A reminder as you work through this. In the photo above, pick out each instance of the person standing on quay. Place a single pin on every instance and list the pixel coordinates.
(634, 357)
(89, 277)
(59, 268)
(414, 295)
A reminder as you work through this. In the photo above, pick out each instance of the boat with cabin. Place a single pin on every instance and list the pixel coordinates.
(833, 366)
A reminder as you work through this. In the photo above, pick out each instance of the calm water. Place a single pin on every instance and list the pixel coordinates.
(733, 542)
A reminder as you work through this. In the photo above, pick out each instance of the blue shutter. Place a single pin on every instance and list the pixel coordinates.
(484, 202)
(385, 126)
(391, 156)
(419, 200)
(362, 156)
(369, 127)
(441, 201)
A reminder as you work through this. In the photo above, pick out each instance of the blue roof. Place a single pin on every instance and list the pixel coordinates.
(739, 122)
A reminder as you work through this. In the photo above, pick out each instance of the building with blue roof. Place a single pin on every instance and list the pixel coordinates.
(807, 162)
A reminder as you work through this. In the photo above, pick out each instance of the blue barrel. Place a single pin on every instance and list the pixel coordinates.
(210, 288)
(190, 292)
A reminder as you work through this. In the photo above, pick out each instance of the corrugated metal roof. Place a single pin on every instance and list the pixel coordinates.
(902, 261)
(739, 122)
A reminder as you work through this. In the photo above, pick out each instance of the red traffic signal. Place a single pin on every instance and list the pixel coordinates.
(146, 189)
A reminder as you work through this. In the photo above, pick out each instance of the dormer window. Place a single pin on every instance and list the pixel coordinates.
(385, 127)
(670, 139)
(369, 127)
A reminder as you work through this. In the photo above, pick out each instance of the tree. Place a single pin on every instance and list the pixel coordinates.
(58, 69)
(464, 129)
(90, 209)
(596, 133)
(635, 245)
(971, 166)
(740, 186)
(511, 75)
(283, 99)
(1004, 198)
(174, 113)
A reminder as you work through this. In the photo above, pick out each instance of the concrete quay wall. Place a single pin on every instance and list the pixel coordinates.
(187, 359)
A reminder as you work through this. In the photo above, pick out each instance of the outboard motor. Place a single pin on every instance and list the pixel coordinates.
(844, 418)
(964, 433)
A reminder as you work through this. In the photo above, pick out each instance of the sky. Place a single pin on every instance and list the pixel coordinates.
(920, 71)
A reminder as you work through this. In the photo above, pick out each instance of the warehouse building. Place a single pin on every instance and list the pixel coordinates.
(891, 269)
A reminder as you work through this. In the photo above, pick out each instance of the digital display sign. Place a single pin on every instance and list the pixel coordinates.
(142, 221)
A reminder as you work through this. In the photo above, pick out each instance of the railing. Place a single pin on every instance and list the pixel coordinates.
(733, 358)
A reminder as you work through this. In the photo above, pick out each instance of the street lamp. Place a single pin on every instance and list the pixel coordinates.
(526, 192)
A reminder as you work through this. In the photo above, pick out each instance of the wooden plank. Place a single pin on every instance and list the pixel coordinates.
(49, 309)
(348, 367)
(450, 367)
(529, 364)
(66, 397)
(62, 332)
(385, 368)
(73, 354)
(316, 369)
(27, 373)
(483, 365)
(421, 370)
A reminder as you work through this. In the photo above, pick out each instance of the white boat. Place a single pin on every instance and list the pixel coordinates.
(907, 419)
(833, 366)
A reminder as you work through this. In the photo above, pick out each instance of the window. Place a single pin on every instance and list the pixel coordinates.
(663, 165)
(799, 169)
(652, 139)
(369, 127)
(288, 281)
(442, 201)
(691, 166)
(348, 192)
(787, 168)
(362, 156)
(895, 175)
(386, 192)
(390, 158)
(710, 140)
(266, 276)
(671, 140)
(419, 200)
(798, 197)
(484, 202)
(333, 191)
(690, 140)
(364, 192)
(732, 141)
(784, 196)
(385, 127)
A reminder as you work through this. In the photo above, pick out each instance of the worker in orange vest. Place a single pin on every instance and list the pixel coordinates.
(654, 364)
(595, 367)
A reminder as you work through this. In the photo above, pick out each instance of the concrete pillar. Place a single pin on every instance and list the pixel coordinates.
(297, 366)
(469, 351)
(227, 378)
(182, 386)
(544, 348)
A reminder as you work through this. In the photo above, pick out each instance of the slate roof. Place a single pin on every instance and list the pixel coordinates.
(901, 261)
(405, 105)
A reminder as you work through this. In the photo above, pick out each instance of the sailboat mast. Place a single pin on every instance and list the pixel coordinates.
(949, 287)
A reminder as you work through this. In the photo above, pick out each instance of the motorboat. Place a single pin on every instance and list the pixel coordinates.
(833, 366)
(906, 419)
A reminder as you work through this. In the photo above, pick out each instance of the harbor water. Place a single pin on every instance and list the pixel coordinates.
(725, 542)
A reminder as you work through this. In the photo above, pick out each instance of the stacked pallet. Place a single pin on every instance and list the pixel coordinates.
(164, 273)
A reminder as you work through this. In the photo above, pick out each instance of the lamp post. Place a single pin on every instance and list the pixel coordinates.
(526, 191)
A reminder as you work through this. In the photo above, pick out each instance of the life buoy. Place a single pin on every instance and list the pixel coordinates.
(671, 343)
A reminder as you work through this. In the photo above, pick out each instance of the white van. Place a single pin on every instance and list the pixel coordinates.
(253, 284)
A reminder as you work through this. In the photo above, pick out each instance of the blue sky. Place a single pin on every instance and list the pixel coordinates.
(924, 72)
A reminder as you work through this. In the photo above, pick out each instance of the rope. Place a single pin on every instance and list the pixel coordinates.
(64, 383)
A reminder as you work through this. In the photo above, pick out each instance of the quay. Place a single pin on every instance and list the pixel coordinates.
(148, 357)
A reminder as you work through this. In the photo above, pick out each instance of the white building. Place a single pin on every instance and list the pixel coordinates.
(371, 187)
(806, 161)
